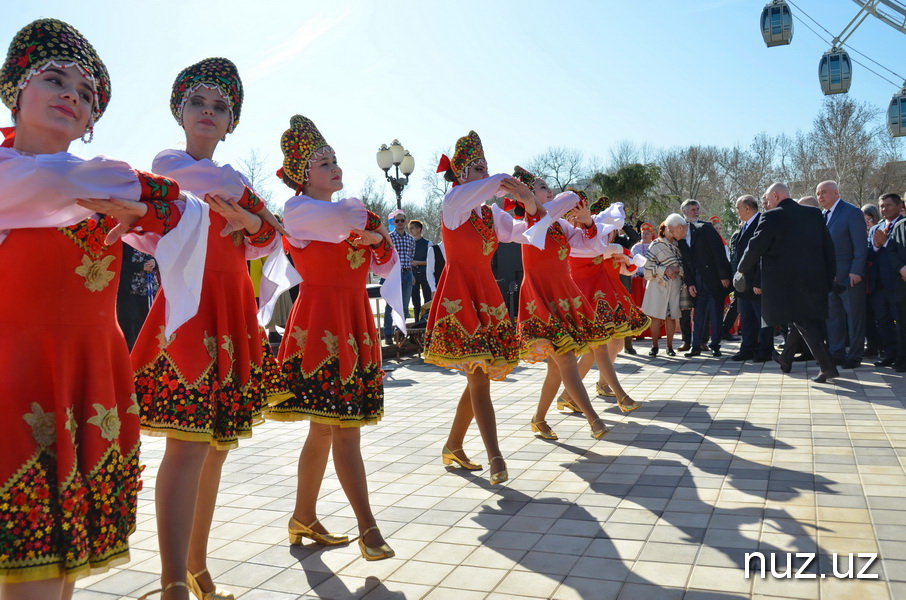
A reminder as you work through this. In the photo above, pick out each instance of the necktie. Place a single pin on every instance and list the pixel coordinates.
(889, 227)
(826, 216)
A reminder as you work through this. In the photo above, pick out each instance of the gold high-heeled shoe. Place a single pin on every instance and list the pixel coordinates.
(567, 404)
(195, 588)
(377, 553)
(499, 476)
(448, 457)
(161, 591)
(297, 531)
(604, 391)
(547, 435)
(601, 432)
(629, 406)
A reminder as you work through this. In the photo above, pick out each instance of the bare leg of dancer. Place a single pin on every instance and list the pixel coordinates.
(476, 402)
(548, 391)
(208, 485)
(347, 460)
(175, 499)
(566, 364)
(52, 589)
(461, 421)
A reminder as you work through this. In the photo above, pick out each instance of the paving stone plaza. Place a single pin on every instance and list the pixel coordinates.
(724, 459)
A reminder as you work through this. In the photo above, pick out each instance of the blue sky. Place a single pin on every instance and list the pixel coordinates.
(525, 75)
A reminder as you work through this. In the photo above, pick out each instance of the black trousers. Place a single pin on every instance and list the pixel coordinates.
(811, 333)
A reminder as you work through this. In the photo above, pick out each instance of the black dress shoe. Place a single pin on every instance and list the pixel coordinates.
(823, 377)
(804, 357)
(741, 356)
(851, 363)
(887, 362)
(671, 352)
(785, 365)
(693, 352)
(761, 359)
(684, 347)
(630, 350)
(716, 353)
(652, 352)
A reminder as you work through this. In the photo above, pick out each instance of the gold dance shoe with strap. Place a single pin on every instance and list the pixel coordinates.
(448, 457)
(627, 404)
(599, 433)
(605, 391)
(564, 403)
(377, 553)
(500, 476)
(547, 435)
(161, 591)
(195, 588)
(297, 531)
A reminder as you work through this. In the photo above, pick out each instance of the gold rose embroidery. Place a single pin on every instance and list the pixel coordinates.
(133, 406)
(487, 247)
(577, 301)
(42, 425)
(599, 295)
(531, 307)
(355, 257)
(367, 339)
(331, 341)
(598, 260)
(564, 304)
(107, 420)
(300, 336)
(452, 306)
(351, 340)
(228, 346)
(95, 272)
(498, 312)
(162, 341)
(210, 344)
(71, 424)
(564, 252)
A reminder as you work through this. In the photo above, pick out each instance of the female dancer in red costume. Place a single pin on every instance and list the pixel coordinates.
(556, 322)
(598, 276)
(331, 353)
(204, 385)
(469, 328)
(69, 472)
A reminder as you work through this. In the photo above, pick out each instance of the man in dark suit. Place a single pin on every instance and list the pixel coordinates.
(707, 276)
(883, 278)
(897, 248)
(846, 315)
(797, 271)
(690, 209)
(757, 341)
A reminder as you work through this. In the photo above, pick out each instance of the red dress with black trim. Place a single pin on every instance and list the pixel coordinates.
(69, 468)
(599, 279)
(469, 327)
(330, 353)
(554, 315)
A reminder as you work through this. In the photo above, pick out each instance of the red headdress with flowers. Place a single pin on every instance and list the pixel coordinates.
(218, 74)
(301, 144)
(468, 151)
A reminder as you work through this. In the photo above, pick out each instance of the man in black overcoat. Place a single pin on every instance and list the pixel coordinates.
(898, 265)
(757, 341)
(797, 273)
(708, 281)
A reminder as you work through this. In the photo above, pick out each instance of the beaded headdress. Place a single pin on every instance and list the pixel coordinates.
(647, 227)
(301, 144)
(218, 74)
(601, 204)
(524, 176)
(51, 43)
(468, 150)
(714, 219)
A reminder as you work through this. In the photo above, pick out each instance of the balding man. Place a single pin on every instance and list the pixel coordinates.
(809, 201)
(847, 300)
(797, 271)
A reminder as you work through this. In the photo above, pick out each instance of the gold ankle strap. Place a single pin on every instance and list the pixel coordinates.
(369, 530)
(174, 584)
(199, 574)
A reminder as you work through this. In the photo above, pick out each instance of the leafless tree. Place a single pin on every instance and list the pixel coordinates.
(261, 178)
(561, 167)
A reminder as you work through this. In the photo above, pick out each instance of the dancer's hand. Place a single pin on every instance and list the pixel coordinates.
(237, 218)
(367, 238)
(581, 215)
(127, 212)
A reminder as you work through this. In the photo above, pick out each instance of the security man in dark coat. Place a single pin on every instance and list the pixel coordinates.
(797, 273)
(898, 265)
(757, 341)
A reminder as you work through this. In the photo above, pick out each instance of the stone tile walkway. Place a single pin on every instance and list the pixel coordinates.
(722, 460)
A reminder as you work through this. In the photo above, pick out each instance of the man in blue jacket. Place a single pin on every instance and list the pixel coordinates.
(884, 278)
(846, 302)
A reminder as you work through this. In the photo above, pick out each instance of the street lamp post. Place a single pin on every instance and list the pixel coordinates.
(399, 158)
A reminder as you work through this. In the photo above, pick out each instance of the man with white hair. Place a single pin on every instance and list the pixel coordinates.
(846, 316)
(797, 271)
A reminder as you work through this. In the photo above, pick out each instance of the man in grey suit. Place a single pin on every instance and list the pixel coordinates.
(846, 314)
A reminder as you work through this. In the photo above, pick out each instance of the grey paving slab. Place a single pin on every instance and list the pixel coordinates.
(723, 461)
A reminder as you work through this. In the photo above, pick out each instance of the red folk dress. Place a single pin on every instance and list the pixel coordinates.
(599, 279)
(469, 327)
(211, 379)
(69, 465)
(331, 351)
(554, 315)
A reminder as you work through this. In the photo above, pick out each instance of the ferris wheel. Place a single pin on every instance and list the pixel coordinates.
(835, 67)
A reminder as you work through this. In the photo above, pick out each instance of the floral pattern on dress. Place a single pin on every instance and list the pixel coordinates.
(47, 531)
(493, 347)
